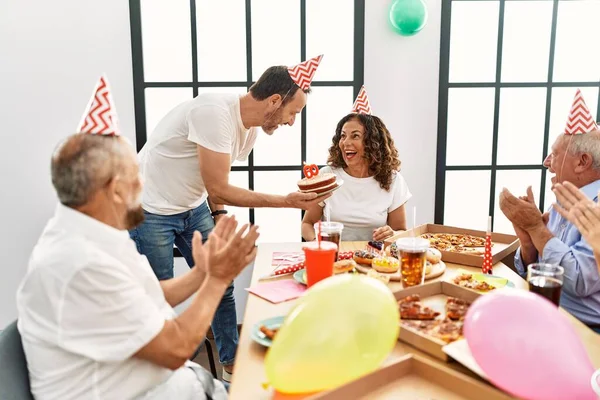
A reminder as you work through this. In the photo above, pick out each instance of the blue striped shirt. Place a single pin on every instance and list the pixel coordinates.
(581, 288)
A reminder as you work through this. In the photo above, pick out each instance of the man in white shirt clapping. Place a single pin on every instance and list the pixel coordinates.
(94, 319)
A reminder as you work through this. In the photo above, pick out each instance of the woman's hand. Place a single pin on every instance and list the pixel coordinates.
(382, 233)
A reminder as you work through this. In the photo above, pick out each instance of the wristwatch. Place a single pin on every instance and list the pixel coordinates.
(218, 212)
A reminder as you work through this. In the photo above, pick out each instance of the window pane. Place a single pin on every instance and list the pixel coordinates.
(577, 58)
(516, 181)
(222, 89)
(277, 224)
(467, 199)
(280, 148)
(239, 179)
(223, 59)
(521, 125)
(470, 120)
(238, 90)
(166, 40)
(159, 101)
(526, 44)
(326, 107)
(330, 31)
(562, 100)
(473, 41)
(275, 34)
(549, 195)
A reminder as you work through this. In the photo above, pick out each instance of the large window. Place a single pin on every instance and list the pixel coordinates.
(508, 73)
(182, 48)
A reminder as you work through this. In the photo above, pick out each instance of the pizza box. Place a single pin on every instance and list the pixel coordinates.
(433, 295)
(414, 377)
(503, 244)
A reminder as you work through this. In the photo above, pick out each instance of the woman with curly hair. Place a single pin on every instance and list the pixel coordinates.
(371, 202)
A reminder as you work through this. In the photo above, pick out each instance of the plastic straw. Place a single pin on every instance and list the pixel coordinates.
(414, 222)
(319, 234)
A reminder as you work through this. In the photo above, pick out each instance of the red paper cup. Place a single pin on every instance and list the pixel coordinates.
(318, 261)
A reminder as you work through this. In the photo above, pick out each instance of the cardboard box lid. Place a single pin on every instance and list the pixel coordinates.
(414, 377)
(503, 244)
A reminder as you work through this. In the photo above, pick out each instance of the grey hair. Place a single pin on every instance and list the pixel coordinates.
(588, 143)
(83, 164)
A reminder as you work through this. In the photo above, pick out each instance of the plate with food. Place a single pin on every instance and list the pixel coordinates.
(339, 267)
(300, 276)
(389, 265)
(264, 331)
(479, 281)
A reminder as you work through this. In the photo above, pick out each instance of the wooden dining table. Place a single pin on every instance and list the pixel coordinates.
(249, 372)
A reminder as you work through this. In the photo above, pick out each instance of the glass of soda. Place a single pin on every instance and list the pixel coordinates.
(413, 256)
(546, 280)
(330, 232)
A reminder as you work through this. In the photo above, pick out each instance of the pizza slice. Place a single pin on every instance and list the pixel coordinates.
(467, 281)
(456, 309)
(411, 308)
(447, 330)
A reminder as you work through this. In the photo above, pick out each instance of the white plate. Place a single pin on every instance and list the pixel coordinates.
(339, 182)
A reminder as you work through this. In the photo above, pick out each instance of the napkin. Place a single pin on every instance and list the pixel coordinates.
(278, 291)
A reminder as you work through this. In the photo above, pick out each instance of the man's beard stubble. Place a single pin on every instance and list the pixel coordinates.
(134, 217)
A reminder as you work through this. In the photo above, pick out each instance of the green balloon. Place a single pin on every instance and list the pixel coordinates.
(408, 16)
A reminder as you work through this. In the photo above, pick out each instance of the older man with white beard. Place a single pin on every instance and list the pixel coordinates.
(94, 319)
(551, 238)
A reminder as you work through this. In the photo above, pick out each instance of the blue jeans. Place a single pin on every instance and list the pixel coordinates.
(155, 238)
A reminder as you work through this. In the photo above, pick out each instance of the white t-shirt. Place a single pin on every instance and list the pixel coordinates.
(88, 302)
(169, 159)
(362, 205)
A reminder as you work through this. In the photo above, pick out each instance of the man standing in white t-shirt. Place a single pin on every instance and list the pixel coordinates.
(94, 319)
(185, 166)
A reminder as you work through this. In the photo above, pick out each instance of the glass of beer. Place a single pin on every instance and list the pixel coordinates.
(330, 232)
(546, 280)
(413, 252)
(318, 262)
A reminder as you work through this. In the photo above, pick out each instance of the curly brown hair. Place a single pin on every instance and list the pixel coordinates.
(380, 150)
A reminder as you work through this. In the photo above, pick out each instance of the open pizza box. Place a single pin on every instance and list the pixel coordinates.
(433, 295)
(503, 244)
(414, 377)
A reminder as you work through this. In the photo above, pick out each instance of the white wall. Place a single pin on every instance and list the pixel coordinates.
(53, 52)
(402, 78)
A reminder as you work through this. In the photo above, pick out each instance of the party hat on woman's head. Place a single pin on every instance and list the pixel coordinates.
(303, 73)
(361, 104)
(580, 119)
(100, 116)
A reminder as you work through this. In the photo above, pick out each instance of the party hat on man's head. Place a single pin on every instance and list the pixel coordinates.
(361, 104)
(580, 119)
(100, 116)
(303, 73)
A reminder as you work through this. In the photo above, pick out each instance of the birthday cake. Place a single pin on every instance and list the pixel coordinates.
(316, 182)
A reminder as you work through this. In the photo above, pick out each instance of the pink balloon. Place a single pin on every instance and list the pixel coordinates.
(527, 347)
